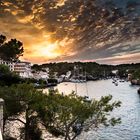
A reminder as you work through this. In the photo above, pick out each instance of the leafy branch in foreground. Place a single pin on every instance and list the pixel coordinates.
(67, 115)
(25, 100)
(70, 115)
(7, 78)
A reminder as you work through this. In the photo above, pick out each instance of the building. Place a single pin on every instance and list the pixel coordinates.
(10, 64)
(130, 77)
(40, 75)
(115, 72)
(23, 69)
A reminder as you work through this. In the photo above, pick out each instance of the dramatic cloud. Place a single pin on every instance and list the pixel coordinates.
(106, 31)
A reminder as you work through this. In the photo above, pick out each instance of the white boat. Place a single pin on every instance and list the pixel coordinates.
(121, 81)
(75, 81)
(82, 81)
(116, 84)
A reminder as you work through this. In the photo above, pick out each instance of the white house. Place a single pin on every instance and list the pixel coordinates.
(41, 75)
(23, 69)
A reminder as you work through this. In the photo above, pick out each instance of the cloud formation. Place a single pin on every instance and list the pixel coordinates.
(73, 30)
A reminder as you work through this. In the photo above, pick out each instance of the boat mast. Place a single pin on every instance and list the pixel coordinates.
(86, 82)
(75, 77)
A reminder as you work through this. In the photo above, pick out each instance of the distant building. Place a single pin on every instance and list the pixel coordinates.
(68, 74)
(129, 77)
(23, 69)
(40, 75)
(115, 71)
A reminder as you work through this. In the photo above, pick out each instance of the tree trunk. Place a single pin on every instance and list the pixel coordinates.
(67, 137)
(27, 125)
(4, 122)
(74, 137)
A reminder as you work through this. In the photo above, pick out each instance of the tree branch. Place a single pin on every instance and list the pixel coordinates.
(16, 119)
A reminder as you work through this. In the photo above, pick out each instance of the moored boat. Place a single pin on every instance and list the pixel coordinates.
(135, 82)
(139, 91)
(116, 84)
(122, 81)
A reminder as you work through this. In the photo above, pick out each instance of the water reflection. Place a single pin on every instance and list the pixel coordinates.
(129, 129)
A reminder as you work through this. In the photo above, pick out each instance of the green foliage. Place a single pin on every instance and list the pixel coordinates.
(52, 74)
(91, 68)
(62, 115)
(4, 69)
(23, 98)
(36, 67)
(16, 97)
(8, 78)
(2, 39)
(122, 73)
(30, 80)
(69, 115)
(10, 50)
(52, 80)
(61, 68)
(136, 74)
(12, 105)
(34, 132)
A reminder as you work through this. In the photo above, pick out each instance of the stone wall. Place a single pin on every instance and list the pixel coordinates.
(1, 113)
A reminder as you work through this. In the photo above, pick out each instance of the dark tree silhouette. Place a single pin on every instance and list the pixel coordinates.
(10, 50)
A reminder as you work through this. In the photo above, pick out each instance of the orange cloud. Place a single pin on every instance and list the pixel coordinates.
(54, 30)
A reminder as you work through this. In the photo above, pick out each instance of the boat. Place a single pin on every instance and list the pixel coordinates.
(114, 81)
(87, 99)
(116, 84)
(135, 82)
(75, 80)
(78, 77)
(82, 81)
(121, 81)
(51, 82)
(139, 91)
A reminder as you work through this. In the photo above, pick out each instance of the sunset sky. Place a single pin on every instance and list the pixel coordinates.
(105, 31)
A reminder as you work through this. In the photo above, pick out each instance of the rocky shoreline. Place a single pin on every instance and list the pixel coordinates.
(135, 82)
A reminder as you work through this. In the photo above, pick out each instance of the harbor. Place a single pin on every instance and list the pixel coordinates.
(129, 111)
(70, 70)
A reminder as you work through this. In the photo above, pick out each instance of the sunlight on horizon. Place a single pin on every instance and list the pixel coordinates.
(49, 50)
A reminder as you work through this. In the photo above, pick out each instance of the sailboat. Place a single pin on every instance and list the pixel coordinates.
(78, 77)
(83, 80)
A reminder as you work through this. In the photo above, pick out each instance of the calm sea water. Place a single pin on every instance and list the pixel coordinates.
(129, 112)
